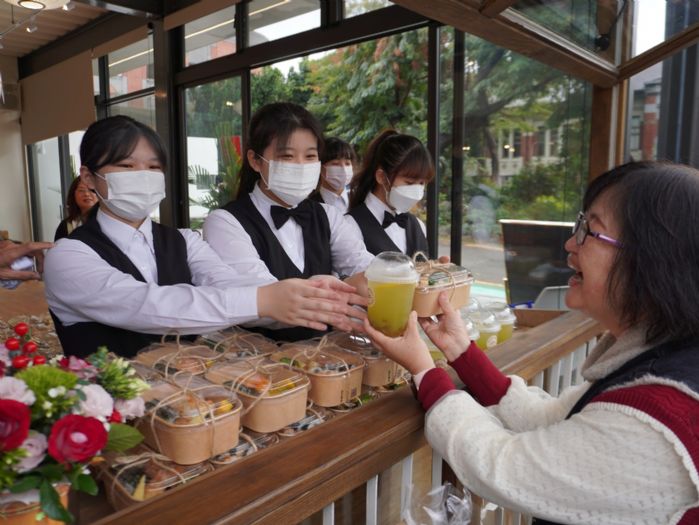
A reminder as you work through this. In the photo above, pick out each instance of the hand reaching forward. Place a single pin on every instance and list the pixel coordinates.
(448, 333)
(313, 303)
(9, 252)
(408, 350)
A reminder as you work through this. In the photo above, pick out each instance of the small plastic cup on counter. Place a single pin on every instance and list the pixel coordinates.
(392, 279)
(506, 317)
(488, 328)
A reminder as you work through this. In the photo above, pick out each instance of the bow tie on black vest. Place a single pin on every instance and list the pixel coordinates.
(302, 214)
(401, 219)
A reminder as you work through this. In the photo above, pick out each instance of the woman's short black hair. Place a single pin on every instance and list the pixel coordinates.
(654, 280)
(396, 154)
(278, 121)
(336, 148)
(113, 139)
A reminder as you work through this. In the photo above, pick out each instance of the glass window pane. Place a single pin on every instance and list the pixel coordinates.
(661, 113)
(355, 91)
(95, 77)
(74, 139)
(517, 168)
(47, 187)
(358, 7)
(210, 37)
(655, 21)
(214, 128)
(141, 109)
(131, 68)
(574, 19)
(273, 19)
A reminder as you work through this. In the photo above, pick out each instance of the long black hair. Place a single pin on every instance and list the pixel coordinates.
(275, 121)
(396, 154)
(654, 280)
(113, 139)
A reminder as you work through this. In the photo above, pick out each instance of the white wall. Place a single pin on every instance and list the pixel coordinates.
(14, 207)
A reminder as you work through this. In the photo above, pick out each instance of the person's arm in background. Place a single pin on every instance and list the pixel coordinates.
(10, 252)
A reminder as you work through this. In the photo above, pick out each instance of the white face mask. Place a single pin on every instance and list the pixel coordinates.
(403, 198)
(292, 182)
(338, 176)
(133, 195)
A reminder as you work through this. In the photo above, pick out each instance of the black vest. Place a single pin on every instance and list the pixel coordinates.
(82, 339)
(317, 254)
(676, 361)
(377, 240)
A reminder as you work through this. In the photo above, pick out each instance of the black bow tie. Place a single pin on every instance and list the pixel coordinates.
(302, 214)
(401, 219)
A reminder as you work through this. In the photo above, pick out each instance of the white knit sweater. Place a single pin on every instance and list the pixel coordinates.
(608, 464)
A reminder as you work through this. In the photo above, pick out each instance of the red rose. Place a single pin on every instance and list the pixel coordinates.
(115, 417)
(14, 423)
(75, 439)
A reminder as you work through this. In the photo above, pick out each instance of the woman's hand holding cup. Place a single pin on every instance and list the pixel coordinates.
(408, 350)
(448, 333)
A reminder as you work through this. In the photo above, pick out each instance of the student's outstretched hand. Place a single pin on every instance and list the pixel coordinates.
(313, 303)
(408, 350)
(9, 252)
(448, 333)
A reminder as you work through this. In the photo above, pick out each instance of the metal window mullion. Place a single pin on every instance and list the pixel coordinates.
(433, 74)
(457, 140)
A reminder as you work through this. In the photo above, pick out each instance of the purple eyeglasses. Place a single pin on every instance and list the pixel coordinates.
(582, 229)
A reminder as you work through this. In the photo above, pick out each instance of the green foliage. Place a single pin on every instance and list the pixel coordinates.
(8, 460)
(116, 375)
(51, 387)
(122, 437)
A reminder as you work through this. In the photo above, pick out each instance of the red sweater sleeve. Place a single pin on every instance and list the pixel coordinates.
(482, 378)
(433, 386)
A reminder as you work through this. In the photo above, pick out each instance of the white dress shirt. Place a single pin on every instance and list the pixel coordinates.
(394, 232)
(81, 286)
(341, 202)
(233, 244)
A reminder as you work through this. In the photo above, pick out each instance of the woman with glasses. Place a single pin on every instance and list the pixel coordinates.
(79, 203)
(622, 447)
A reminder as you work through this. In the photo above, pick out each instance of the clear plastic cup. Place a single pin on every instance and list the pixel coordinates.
(506, 317)
(392, 279)
(488, 328)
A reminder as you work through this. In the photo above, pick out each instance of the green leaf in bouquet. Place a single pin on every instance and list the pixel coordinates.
(52, 472)
(85, 483)
(51, 503)
(26, 483)
(122, 437)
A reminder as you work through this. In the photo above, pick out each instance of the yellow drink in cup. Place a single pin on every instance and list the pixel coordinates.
(392, 279)
(390, 305)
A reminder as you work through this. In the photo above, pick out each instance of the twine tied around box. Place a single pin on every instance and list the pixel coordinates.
(192, 393)
(182, 351)
(427, 267)
(127, 462)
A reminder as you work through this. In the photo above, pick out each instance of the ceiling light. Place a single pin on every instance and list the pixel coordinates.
(38, 4)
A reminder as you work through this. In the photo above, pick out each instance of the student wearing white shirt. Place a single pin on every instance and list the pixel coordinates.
(122, 280)
(336, 170)
(272, 231)
(391, 182)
